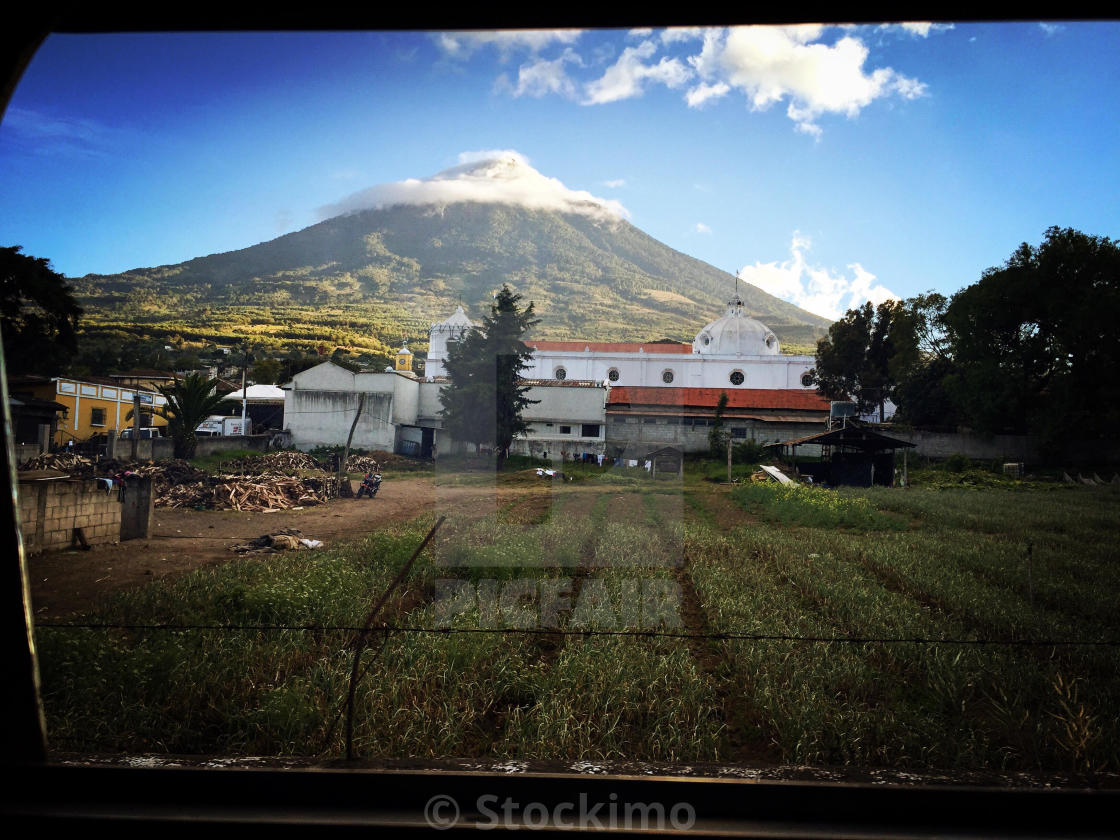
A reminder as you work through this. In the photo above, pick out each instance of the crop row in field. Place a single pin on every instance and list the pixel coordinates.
(887, 566)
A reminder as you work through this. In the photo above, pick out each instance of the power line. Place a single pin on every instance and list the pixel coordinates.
(546, 631)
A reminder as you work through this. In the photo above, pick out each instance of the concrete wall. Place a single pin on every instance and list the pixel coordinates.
(150, 449)
(50, 511)
(323, 418)
(429, 409)
(26, 451)
(566, 404)
(943, 444)
(258, 443)
(638, 436)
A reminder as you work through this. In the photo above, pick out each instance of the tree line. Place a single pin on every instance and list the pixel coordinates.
(1033, 347)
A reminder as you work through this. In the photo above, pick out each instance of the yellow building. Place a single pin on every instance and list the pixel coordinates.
(94, 405)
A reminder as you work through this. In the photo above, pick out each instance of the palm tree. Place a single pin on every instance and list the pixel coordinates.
(189, 401)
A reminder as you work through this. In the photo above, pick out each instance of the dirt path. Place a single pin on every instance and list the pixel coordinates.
(67, 582)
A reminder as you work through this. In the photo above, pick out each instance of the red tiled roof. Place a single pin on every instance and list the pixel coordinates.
(781, 398)
(608, 347)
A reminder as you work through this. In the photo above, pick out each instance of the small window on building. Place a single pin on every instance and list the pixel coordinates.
(97, 417)
(589, 430)
(565, 430)
(769, 341)
(561, 373)
(667, 376)
(651, 420)
(737, 377)
(738, 432)
(612, 374)
(618, 419)
(807, 379)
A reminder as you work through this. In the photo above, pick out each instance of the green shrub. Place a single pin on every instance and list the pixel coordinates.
(957, 463)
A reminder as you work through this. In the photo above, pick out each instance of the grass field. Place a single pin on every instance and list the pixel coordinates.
(684, 624)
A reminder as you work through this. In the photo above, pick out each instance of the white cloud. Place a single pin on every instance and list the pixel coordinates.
(920, 28)
(50, 134)
(815, 288)
(702, 228)
(639, 33)
(542, 77)
(500, 176)
(676, 34)
(626, 77)
(462, 45)
(1050, 28)
(772, 63)
(704, 92)
(615, 183)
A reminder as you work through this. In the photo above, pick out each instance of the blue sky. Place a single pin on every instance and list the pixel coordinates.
(826, 164)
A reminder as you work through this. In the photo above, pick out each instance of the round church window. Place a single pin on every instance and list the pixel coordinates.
(737, 377)
(612, 374)
(561, 373)
(667, 376)
(806, 379)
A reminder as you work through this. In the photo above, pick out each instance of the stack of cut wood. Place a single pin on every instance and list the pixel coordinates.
(66, 462)
(362, 464)
(250, 493)
(273, 463)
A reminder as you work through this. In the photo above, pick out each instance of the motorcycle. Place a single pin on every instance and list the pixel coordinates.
(370, 485)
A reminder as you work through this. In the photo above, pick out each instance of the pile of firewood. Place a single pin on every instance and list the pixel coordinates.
(362, 464)
(258, 493)
(66, 462)
(273, 463)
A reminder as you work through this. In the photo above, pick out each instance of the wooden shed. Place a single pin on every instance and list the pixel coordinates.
(853, 455)
(667, 462)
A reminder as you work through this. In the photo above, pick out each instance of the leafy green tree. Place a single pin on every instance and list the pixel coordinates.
(267, 371)
(189, 401)
(1035, 344)
(854, 361)
(484, 400)
(38, 315)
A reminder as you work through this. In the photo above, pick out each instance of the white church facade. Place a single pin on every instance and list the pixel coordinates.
(616, 399)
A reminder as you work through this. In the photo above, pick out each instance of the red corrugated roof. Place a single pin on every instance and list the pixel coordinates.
(782, 398)
(608, 347)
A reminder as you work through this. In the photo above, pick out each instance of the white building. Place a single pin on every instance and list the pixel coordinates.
(592, 396)
(734, 351)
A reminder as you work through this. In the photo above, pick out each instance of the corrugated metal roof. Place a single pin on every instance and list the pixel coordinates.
(779, 398)
(851, 436)
(608, 347)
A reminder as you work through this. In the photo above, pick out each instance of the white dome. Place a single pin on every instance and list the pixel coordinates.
(458, 323)
(736, 334)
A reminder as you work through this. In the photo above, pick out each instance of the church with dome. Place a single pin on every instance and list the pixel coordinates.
(657, 394)
(616, 399)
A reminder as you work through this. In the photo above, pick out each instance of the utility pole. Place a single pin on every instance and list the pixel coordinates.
(244, 400)
(346, 451)
(135, 423)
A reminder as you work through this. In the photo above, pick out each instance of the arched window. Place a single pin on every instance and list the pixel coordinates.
(612, 374)
(737, 377)
(667, 376)
(561, 373)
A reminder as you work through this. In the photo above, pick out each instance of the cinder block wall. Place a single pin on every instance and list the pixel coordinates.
(49, 512)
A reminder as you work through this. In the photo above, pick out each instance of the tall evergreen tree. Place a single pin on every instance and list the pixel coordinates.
(484, 401)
